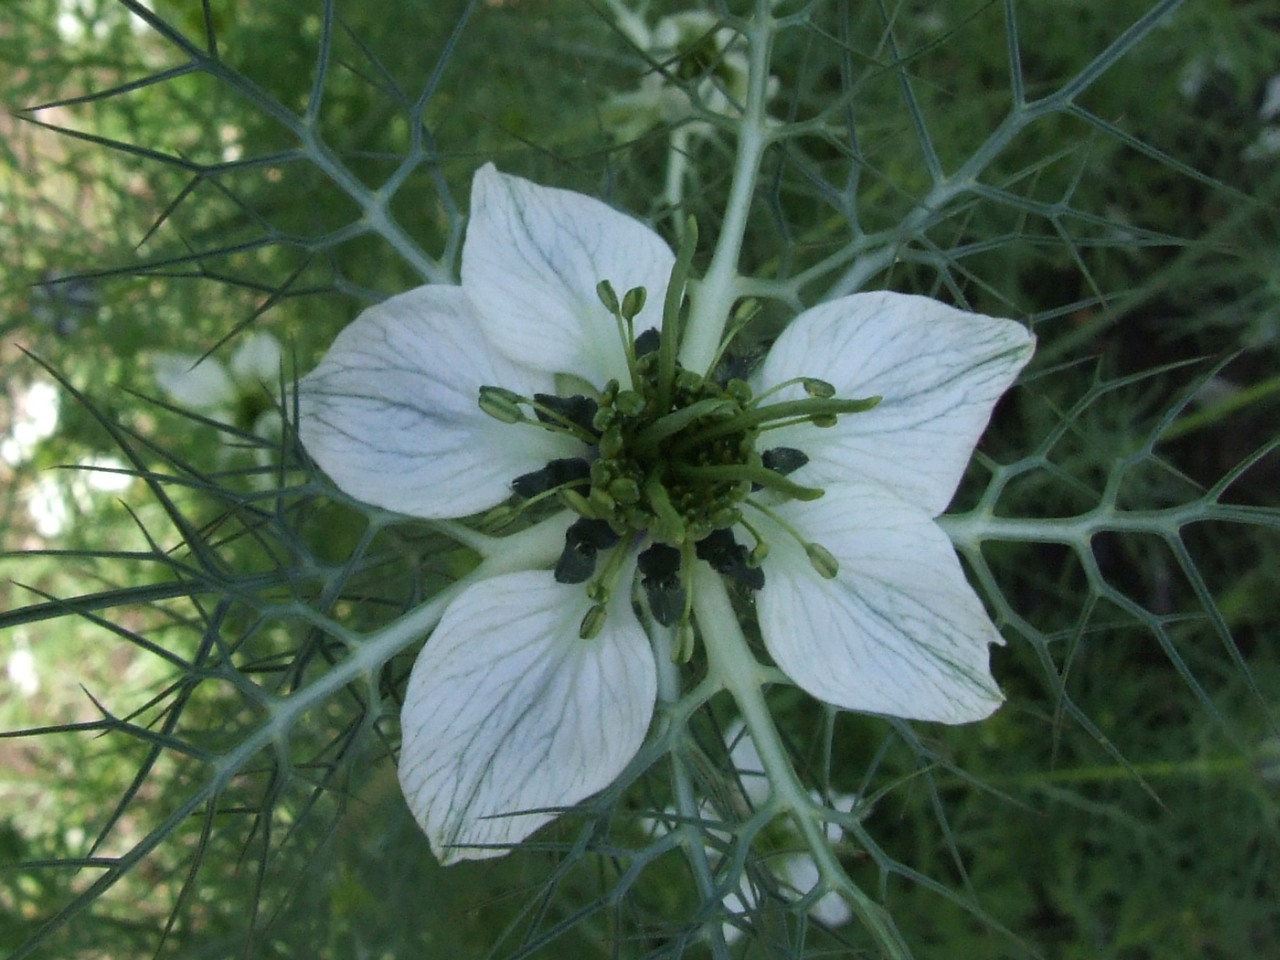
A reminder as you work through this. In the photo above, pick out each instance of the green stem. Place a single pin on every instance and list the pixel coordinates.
(713, 297)
(732, 664)
(686, 804)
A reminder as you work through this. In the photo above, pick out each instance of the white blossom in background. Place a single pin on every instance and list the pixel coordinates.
(539, 377)
(689, 51)
(21, 670)
(1267, 143)
(61, 495)
(795, 872)
(239, 392)
(79, 19)
(35, 418)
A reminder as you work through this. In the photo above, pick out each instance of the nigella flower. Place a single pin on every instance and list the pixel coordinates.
(548, 379)
(698, 64)
(238, 392)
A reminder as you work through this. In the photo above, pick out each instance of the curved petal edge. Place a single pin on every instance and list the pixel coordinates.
(510, 717)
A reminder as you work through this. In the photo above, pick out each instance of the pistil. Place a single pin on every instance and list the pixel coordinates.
(757, 417)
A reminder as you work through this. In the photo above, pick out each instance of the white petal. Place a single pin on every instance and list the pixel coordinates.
(899, 631)
(508, 711)
(202, 385)
(939, 370)
(392, 412)
(256, 360)
(531, 262)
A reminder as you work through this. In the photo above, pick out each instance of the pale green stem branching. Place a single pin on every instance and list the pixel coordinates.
(731, 662)
(712, 298)
(969, 531)
(367, 655)
(686, 804)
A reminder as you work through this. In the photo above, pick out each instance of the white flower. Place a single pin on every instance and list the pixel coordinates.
(59, 494)
(35, 419)
(1266, 145)
(537, 688)
(238, 392)
(796, 872)
(699, 65)
(21, 669)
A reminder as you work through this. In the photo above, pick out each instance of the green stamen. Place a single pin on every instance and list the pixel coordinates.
(633, 302)
(751, 473)
(604, 290)
(802, 410)
(822, 560)
(501, 404)
(593, 622)
(601, 588)
(819, 556)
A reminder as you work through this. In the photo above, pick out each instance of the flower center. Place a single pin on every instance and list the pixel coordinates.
(676, 466)
(670, 462)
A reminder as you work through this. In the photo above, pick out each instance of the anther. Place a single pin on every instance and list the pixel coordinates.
(822, 560)
(633, 302)
(818, 388)
(684, 643)
(604, 290)
(501, 404)
(593, 622)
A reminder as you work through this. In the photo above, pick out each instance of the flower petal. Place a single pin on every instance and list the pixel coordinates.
(898, 631)
(531, 262)
(392, 412)
(508, 710)
(939, 370)
(200, 384)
